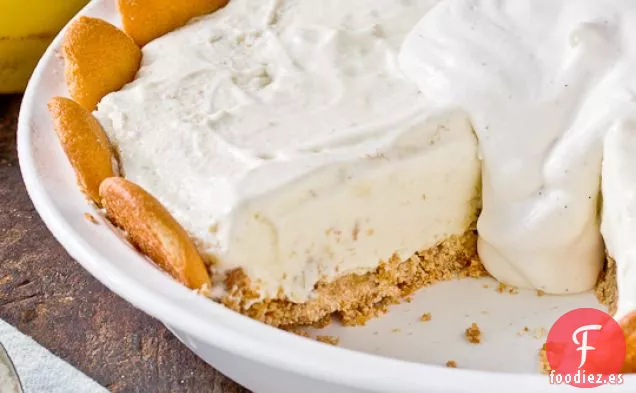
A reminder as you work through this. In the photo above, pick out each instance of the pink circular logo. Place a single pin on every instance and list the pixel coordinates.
(586, 348)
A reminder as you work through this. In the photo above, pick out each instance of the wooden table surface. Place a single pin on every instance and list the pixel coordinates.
(48, 296)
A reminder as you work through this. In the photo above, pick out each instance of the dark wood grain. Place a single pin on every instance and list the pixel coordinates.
(47, 295)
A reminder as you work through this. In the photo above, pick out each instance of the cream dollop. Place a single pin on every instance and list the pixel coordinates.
(543, 82)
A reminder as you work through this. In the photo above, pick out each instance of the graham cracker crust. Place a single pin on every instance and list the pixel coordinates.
(606, 286)
(354, 299)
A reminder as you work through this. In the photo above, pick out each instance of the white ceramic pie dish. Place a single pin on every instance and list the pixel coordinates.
(392, 354)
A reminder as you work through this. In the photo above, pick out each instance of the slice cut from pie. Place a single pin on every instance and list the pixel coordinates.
(313, 177)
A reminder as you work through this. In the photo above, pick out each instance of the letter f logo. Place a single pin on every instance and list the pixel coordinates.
(583, 344)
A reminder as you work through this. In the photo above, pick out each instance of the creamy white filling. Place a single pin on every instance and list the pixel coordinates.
(543, 82)
(284, 137)
(346, 218)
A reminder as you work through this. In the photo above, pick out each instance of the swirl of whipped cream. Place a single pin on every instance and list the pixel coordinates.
(543, 82)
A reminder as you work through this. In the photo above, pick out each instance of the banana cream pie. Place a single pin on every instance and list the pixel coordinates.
(285, 139)
(295, 159)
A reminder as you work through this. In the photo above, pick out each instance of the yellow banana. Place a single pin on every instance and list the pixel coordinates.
(26, 29)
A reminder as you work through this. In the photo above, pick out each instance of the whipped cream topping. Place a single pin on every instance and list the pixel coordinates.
(284, 137)
(543, 82)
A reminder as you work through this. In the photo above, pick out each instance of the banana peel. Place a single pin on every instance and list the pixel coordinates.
(18, 58)
(27, 27)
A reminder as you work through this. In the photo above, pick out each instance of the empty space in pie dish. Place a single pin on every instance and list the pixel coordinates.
(514, 325)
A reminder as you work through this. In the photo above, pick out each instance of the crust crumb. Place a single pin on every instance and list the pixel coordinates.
(331, 340)
(451, 364)
(90, 218)
(473, 334)
(606, 286)
(544, 365)
(426, 317)
(501, 288)
(540, 292)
